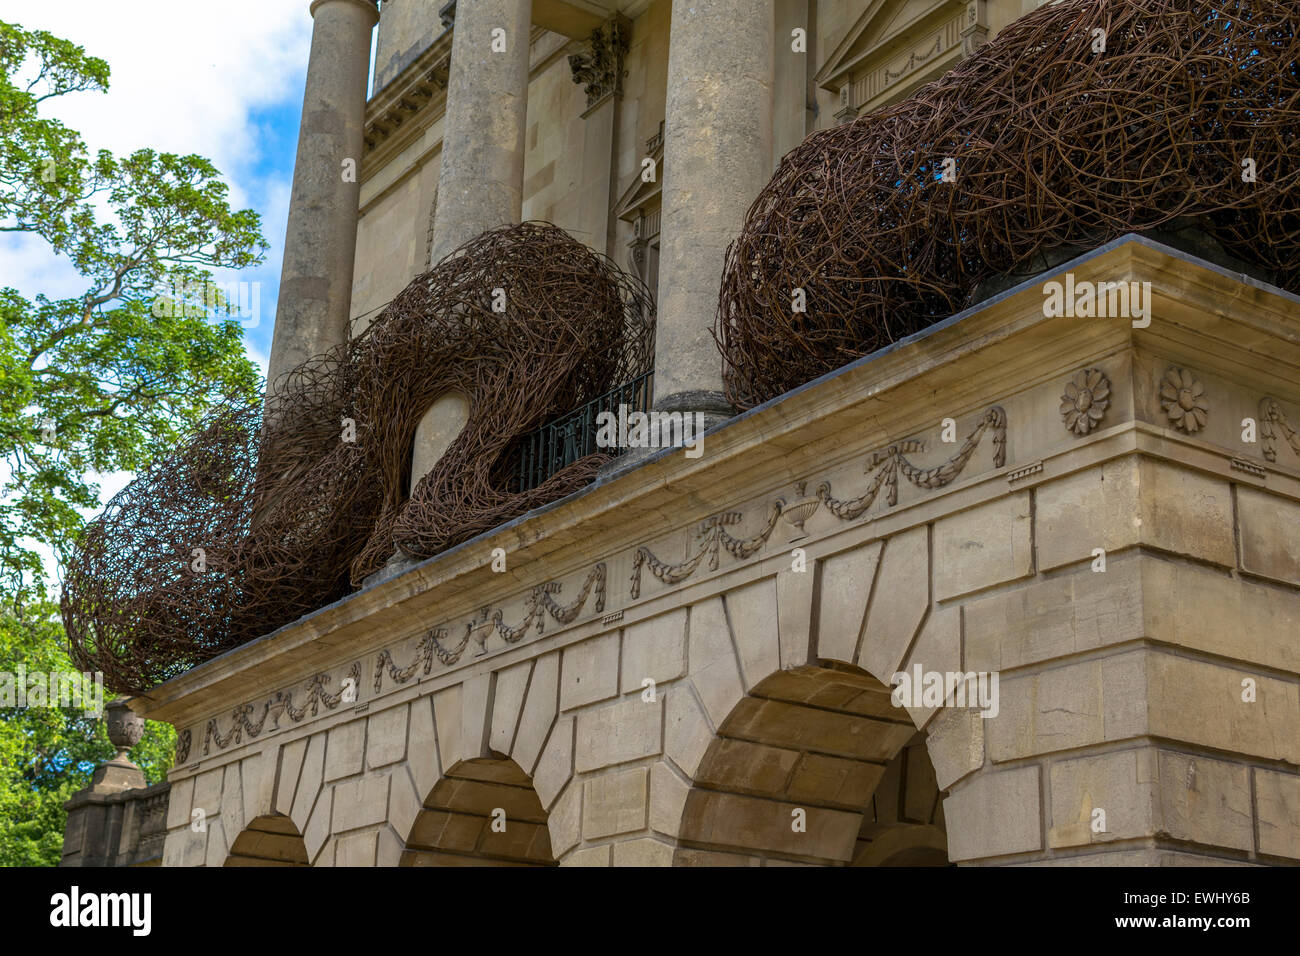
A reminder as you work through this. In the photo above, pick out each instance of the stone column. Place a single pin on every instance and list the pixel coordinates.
(717, 156)
(481, 176)
(321, 240)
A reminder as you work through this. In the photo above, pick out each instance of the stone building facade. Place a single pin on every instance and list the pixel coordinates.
(690, 662)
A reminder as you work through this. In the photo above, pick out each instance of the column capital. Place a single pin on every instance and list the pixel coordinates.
(367, 5)
(600, 67)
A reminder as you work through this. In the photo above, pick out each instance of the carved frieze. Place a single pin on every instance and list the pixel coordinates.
(1272, 423)
(883, 466)
(711, 535)
(252, 720)
(478, 629)
(278, 705)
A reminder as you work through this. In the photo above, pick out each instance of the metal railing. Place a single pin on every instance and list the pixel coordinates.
(573, 436)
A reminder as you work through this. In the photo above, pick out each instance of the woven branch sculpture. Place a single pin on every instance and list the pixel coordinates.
(246, 528)
(1055, 145)
(573, 325)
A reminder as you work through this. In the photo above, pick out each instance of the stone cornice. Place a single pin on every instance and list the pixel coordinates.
(1000, 347)
(415, 99)
(423, 84)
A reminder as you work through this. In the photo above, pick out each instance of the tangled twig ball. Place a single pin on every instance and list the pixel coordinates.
(1077, 123)
(253, 523)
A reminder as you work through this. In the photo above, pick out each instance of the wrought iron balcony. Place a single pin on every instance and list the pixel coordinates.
(573, 435)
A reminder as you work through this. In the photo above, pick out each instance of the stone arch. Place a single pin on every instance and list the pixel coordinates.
(268, 840)
(825, 742)
(481, 812)
(903, 824)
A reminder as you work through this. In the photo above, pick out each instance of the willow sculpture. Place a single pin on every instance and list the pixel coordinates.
(1082, 121)
(253, 523)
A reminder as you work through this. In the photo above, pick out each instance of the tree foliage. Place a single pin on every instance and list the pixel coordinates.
(48, 753)
(98, 382)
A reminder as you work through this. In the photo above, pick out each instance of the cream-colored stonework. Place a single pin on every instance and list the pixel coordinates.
(690, 662)
(583, 163)
(654, 682)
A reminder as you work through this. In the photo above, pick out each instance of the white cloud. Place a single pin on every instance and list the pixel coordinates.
(184, 76)
(31, 267)
(190, 78)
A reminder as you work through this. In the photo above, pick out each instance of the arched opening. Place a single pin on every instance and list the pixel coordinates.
(483, 812)
(903, 823)
(815, 765)
(270, 840)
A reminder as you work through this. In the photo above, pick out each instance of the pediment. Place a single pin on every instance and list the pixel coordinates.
(639, 194)
(885, 27)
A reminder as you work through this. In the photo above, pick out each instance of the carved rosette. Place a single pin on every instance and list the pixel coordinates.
(600, 67)
(1183, 398)
(1086, 398)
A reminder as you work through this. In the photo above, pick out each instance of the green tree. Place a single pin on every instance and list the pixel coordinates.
(48, 753)
(100, 382)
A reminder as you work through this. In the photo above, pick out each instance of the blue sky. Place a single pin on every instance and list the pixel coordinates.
(224, 81)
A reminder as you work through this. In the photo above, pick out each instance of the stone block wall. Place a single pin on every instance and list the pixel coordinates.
(690, 664)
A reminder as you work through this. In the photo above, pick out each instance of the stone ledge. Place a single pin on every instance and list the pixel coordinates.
(995, 345)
